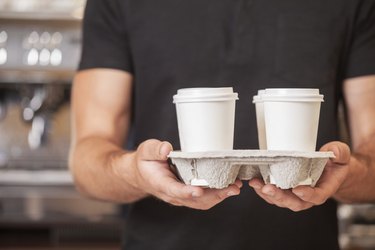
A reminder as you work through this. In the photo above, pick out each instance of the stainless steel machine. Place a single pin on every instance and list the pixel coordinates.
(39, 53)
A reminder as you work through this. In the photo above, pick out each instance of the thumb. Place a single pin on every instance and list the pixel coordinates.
(340, 150)
(154, 150)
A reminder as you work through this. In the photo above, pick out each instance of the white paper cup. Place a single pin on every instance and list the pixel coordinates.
(291, 118)
(205, 118)
(261, 126)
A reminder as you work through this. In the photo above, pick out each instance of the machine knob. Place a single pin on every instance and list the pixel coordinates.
(44, 57)
(32, 57)
(56, 57)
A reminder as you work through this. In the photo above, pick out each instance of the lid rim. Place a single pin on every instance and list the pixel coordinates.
(293, 100)
(205, 91)
(297, 91)
(233, 97)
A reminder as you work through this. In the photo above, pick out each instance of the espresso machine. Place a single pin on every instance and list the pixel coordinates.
(39, 52)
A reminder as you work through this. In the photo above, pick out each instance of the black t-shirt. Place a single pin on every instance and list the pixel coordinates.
(247, 44)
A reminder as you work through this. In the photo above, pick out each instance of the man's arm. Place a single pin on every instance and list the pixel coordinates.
(359, 186)
(348, 177)
(101, 100)
(101, 106)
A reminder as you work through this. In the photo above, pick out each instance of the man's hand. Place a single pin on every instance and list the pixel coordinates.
(152, 175)
(304, 197)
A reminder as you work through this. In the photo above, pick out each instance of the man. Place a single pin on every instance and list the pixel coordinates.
(137, 53)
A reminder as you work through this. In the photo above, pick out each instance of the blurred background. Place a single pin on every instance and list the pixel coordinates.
(39, 207)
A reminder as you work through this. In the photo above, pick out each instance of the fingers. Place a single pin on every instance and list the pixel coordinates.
(257, 185)
(281, 198)
(154, 150)
(285, 198)
(212, 197)
(176, 193)
(316, 196)
(238, 183)
(171, 187)
(331, 180)
(158, 180)
(304, 197)
(341, 151)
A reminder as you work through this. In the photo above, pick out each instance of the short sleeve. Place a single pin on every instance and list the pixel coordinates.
(361, 58)
(104, 37)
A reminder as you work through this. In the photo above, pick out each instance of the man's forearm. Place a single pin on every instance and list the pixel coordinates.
(360, 182)
(95, 164)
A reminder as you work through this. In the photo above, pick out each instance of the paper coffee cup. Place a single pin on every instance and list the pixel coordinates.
(205, 118)
(291, 118)
(259, 109)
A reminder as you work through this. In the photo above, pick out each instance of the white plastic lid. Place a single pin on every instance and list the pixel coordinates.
(258, 97)
(291, 91)
(204, 95)
(292, 94)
